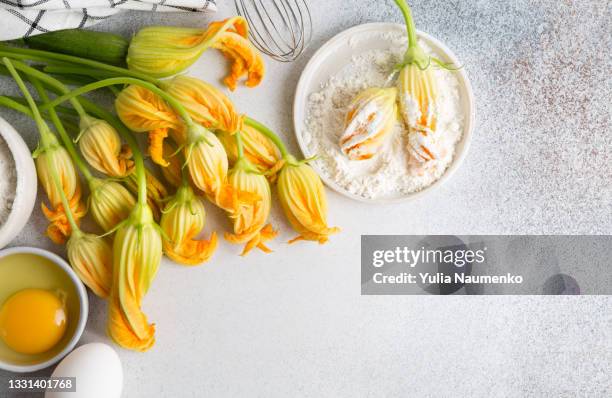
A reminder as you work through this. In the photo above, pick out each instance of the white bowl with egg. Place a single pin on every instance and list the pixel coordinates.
(32, 268)
(18, 185)
(325, 68)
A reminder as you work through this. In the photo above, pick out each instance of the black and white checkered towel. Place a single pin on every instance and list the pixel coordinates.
(22, 18)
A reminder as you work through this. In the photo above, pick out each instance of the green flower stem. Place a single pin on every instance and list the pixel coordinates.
(29, 70)
(44, 132)
(410, 27)
(70, 80)
(239, 145)
(46, 56)
(24, 105)
(40, 123)
(18, 105)
(59, 127)
(12, 104)
(79, 70)
(82, 76)
(268, 133)
(414, 54)
(177, 106)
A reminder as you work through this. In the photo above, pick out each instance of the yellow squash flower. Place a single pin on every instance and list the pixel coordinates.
(143, 111)
(182, 220)
(156, 192)
(101, 146)
(109, 203)
(249, 219)
(61, 161)
(206, 104)
(163, 51)
(259, 150)
(370, 119)
(91, 258)
(207, 165)
(303, 199)
(137, 252)
(59, 229)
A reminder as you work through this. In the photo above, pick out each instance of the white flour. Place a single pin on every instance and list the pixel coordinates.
(391, 173)
(8, 181)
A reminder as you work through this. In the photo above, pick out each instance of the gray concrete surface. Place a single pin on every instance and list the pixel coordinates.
(293, 323)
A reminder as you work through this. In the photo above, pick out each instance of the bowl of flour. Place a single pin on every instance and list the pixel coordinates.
(18, 183)
(363, 57)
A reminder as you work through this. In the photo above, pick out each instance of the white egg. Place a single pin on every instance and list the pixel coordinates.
(97, 369)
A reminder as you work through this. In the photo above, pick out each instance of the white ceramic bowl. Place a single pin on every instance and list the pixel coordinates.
(25, 196)
(83, 309)
(336, 54)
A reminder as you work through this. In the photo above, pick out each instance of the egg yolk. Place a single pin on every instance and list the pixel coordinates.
(32, 321)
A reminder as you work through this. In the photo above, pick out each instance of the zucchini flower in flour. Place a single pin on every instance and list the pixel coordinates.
(163, 51)
(370, 118)
(101, 146)
(418, 94)
(206, 104)
(182, 220)
(137, 252)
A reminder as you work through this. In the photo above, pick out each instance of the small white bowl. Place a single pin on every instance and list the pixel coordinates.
(337, 53)
(25, 195)
(83, 309)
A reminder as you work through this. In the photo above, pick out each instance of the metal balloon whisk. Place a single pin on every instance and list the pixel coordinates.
(279, 28)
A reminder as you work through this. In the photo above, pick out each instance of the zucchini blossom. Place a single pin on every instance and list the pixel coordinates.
(206, 104)
(137, 252)
(303, 199)
(143, 111)
(207, 163)
(101, 146)
(162, 51)
(418, 94)
(59, 228)
(91, 258)
(249, 219)
(182, 220)
(110, 203)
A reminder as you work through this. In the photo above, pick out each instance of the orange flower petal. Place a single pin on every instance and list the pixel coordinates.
(231, 38)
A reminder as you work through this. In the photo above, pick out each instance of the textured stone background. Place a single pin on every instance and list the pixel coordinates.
(294, 324)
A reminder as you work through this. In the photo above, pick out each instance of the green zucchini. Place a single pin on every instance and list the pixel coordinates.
(99, 46)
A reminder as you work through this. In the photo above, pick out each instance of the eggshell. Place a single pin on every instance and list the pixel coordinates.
(97, 369)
